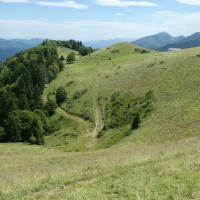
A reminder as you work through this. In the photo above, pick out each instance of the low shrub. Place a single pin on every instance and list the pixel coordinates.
(78, 94)
(125, 108)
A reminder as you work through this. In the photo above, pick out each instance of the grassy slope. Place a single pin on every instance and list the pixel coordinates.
(173, 76)
(165, 171)
(159, 161)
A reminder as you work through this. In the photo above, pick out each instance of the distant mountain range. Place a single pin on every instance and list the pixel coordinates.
(9, 48)
(164, 41)
(187, 42)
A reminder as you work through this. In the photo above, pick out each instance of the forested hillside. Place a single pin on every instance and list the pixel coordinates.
(22, 80)
(23, 115)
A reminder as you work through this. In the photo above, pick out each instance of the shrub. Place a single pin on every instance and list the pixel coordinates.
(71, 57)
(142, 51)
(115, 51)
(50, 107)
(136, 121)
(125, 108)
(52, 72)
(62, 58)
(79, 94)
(44, 120)
(61, 95)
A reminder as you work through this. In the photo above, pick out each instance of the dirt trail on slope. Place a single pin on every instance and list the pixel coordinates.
(99, 123)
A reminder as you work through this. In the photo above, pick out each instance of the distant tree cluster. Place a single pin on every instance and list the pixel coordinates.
(84, 51)
(22, 80)
(72, 44)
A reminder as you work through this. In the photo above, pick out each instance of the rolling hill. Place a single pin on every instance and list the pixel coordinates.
(99, 44)
(9, 48)
(82, 159)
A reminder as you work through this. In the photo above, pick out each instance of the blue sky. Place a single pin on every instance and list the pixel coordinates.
(97, 19)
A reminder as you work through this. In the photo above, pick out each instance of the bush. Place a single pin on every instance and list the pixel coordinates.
(136, 121)
(44, 120)
(71, 57)
(50, 107)
(127, 109)
(61, 95)
(62, 58)
(115, 51)
(52, 72)
(79, 94)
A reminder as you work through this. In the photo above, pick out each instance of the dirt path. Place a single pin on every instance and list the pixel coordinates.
(99, 123)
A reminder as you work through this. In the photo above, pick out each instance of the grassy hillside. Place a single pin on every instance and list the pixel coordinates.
(173, 77)
(159, 160)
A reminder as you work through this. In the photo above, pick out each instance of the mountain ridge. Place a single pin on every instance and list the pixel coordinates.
(164, 41)
(187, 42)
(157, 41)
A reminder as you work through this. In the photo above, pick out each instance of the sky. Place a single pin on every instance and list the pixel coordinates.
(97, 19)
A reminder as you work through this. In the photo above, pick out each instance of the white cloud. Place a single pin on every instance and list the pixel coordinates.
(183, 23)
(14, 1)
(190, 2)
(175, 24)
(83, 30)
(122, 3)
(66, 4)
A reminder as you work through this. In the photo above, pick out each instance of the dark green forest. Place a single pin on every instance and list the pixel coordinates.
(23, 117)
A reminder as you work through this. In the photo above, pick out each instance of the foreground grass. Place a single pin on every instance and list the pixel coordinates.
(165, 171)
